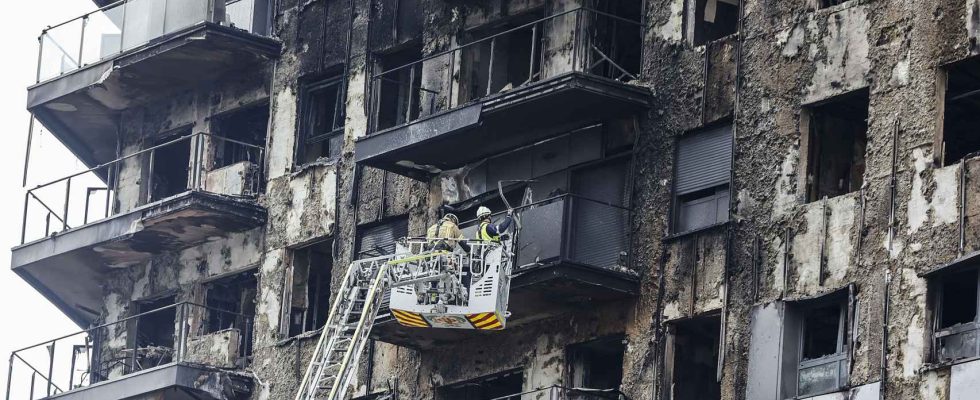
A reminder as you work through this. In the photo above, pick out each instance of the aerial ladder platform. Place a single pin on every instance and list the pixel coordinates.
(424, 287)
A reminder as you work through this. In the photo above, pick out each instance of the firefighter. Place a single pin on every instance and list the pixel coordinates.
(445, 234)
(490, 232)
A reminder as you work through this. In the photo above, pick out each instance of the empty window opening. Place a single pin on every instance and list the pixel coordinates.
(310, 288)
(399, 89)
(712, 20)
(231, 305)
(322, 120)
(155, 333)
(961, 111)
(503, 62)
(169, 168)
(831, 3)
(597, 364)
(836, 145)
(487, 388)
(693, 359)
(820, 329)
(956, 317)
(248, 125)
(379, 239)
(617, 39)
(701, 174)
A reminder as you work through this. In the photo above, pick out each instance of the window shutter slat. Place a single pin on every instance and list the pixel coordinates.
(703, 160)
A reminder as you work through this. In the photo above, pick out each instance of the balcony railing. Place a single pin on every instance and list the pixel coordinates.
(120, 348)
(59, 205)
(535, 52)
(570, 228)
(563, 393)
(126, 25)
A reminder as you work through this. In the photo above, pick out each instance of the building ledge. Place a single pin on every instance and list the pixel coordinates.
(171, 381)
(81, 107)
(68, 267)
(498, 123)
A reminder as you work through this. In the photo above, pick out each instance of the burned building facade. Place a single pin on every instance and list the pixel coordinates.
(717, 199)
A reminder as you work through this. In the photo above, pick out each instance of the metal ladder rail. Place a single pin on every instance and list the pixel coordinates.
(355, 349)
(328, 337)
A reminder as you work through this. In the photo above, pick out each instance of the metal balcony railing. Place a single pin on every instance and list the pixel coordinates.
(120, 348)
(564, 393)
(57, 205)
(128, 24)
(580, 40)
(570, 228)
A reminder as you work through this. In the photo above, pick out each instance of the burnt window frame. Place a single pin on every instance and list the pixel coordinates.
(942, 91)
(693, 31)
(440, 391)
(391, 222)
(938, 332)
(810, 145)
(575, 352)
(307, 118)
(841, 357)
(226, 153)
(325, 276)
(672, 348)
(711, 193)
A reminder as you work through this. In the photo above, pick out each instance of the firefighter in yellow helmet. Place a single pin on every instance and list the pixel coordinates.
(445, 234)
(489, 231)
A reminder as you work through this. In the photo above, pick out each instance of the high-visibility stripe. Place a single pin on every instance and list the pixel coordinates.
(409, 319)
(486, 321)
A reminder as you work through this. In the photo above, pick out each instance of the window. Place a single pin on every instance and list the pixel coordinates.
(154, 330)
(692, 359)
(321, 120)
(955, 318)
(960, 110)
(835, 144)
(817, 336)
(168, 171)
(597, 364)
(701, 176)
(486, 388)
(248, 125)
(712, 20)
(399, 90)
(379, 239)
(503, 62)
(231, 305)
(308, 289)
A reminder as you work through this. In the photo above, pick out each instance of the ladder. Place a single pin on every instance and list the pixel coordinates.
(351, 318)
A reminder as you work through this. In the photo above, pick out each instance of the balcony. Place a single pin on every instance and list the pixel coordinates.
(570, 252)
(168, 197)
(542, 78)
(178, 351)
(135, 52)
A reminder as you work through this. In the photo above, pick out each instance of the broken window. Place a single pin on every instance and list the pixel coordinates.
(230, 304)
(960, 108)
(712, 20)
(692, 359)
(399, 90)
(322, 120)
(955, 325)
(487, 388)
(155, 330)
(379, 239)
(308, 288)
(701, 176)
(836, 140)
(169, 166)
(817, 335)
(597, 364)
(502, 61)
(249, 126)
(617, 38)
